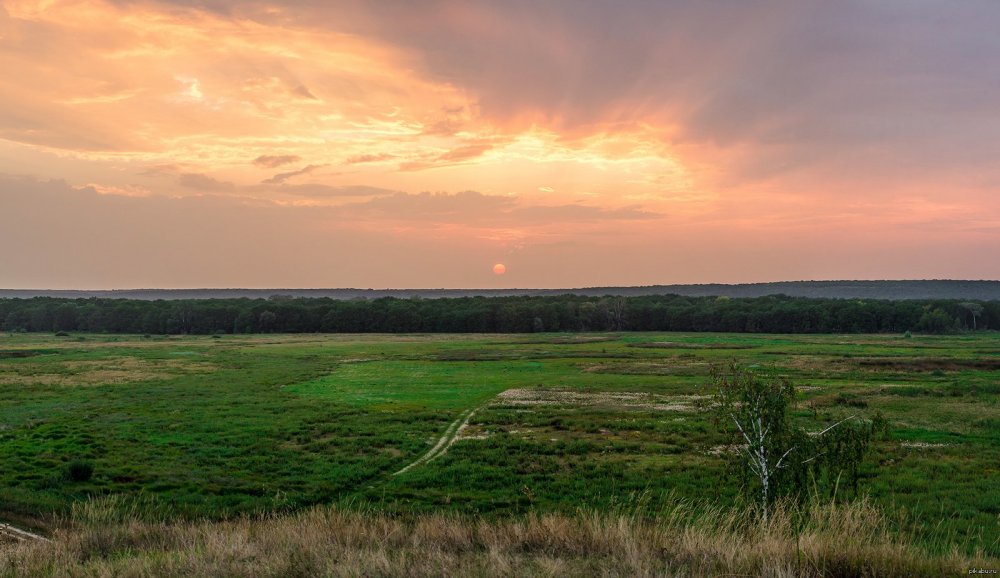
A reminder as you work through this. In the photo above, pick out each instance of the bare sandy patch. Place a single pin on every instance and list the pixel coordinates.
(923, 445)
(724, 450)
(470, 433)
(627, 400)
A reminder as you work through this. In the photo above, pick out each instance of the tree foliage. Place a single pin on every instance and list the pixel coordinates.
(521, 314)
(776, 457)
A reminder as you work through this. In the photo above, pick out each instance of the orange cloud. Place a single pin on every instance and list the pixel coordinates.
(596, 129)
(155, 84)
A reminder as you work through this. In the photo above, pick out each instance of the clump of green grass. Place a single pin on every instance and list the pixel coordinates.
(79, 471)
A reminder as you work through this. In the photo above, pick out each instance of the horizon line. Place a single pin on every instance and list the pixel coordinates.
(506, 288)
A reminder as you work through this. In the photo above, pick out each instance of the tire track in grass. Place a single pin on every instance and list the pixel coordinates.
(449, 437)
(19, 534)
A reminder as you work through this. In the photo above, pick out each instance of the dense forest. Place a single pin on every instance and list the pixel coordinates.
(926, 289)
(519, 314)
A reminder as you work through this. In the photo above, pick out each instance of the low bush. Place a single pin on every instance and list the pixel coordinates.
(79, 471)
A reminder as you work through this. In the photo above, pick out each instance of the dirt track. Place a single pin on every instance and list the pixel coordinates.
(517, 397)
(10, 532)
(442, 445)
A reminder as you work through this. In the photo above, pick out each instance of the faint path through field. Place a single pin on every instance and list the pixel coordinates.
(449, 437)
(19, 534)
(522, 397)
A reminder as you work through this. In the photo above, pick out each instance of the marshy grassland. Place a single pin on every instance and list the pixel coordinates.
(475, 454)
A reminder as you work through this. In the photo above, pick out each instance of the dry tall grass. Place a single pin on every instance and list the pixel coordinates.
(105, 539)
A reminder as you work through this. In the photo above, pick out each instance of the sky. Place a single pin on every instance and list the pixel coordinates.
(216, 143)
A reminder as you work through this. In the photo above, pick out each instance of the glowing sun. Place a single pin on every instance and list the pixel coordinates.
(499, 269)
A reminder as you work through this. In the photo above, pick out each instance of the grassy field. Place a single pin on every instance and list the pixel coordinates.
(492, 425)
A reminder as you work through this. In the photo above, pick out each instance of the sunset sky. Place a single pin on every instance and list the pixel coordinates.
(418, 144)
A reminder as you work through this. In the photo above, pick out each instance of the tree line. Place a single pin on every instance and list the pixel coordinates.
(515, 314)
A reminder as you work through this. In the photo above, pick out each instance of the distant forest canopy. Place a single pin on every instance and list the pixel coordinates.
(520, 314)
(907, 289)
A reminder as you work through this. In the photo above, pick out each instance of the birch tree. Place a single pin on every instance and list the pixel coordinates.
(783, 459)
(975, 309)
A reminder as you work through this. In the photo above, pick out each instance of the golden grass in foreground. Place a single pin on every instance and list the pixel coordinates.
(853, 540)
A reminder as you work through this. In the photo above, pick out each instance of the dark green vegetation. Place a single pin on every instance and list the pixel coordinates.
(882, 289)
(203, 426)
(284, 314)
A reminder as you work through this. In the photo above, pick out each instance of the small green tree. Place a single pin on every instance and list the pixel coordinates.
(937, 320)
(266, 321)
(780, 458)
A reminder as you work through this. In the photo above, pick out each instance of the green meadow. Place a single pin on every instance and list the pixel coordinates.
(493, 425)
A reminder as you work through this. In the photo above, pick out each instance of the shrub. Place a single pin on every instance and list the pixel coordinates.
(779, 459)
(79, 471)
(850, 400)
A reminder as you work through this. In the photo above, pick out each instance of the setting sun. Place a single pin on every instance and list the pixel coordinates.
(407, 136)
(249, 238)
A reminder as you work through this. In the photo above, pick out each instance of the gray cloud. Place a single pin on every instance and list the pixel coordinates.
(867, 89)
(465, 153)
(160, 170)
(282, 177)
(462, 205)
(275, 161)
(302, 92)
(479, 209)
(81, 239)
(276, 184)
(819, 90)
(580, 213)
(204, 183)
(369, 158)
(321, 191)
(454, 156)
